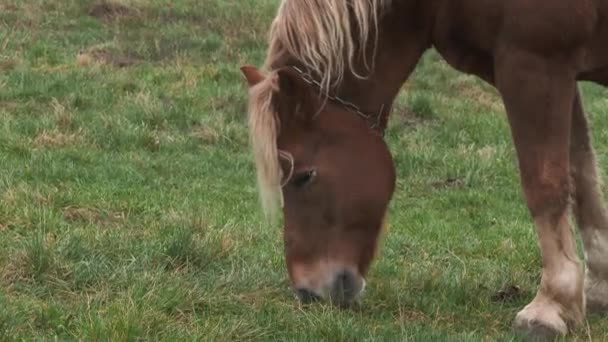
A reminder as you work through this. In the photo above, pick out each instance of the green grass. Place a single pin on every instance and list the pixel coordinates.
(128, 205)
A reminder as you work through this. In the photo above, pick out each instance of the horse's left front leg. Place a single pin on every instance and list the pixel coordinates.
(538, 94)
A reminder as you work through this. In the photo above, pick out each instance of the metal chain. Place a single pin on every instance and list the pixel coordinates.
(349, 105)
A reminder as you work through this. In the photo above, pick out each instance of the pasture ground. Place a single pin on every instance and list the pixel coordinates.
(128, 208)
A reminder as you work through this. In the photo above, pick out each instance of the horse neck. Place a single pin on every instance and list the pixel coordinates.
(403, 36)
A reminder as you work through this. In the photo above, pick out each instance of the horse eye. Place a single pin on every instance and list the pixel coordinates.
(302, 179)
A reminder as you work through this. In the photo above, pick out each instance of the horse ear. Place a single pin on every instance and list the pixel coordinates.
(295, 97)
(252, 74)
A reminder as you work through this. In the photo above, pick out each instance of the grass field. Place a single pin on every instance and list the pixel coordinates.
(128, 199)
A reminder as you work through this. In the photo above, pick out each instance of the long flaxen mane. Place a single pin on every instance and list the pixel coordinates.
(325, 36)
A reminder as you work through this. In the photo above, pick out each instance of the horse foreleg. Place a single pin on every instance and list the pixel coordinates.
(590, 210)
(538, 94)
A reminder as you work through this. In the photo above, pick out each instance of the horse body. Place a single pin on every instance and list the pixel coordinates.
(471, 34)
(533, 52)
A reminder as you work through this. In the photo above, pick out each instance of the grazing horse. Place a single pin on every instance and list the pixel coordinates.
(318, 111)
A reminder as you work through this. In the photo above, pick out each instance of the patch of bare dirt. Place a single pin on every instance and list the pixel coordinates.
(101, 56)
(449, 183)
(508, 294)
(109, 10)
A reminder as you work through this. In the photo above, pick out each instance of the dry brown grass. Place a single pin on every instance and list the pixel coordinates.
(485, 97)
(205, 134)
(406, 116)
(7, 7)
(56, 139)
(10, 196)
(8, 64)
(93, 216)
(13, 270)
(63, 115)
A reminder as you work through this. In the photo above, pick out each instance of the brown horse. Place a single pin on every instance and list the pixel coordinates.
(334, 68)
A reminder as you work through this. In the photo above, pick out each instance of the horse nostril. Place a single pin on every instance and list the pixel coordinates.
(346, 287)
(307, 296)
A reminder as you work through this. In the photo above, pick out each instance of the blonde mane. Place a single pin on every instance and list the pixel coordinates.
(264, 131)
(326, 36)
(319, 34)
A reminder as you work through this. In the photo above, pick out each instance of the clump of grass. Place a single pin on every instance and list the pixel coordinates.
(87, 264)
(40, 256)
(152, 141)
(52, 319)
(6, 320)
(421, 106)
(182, 250)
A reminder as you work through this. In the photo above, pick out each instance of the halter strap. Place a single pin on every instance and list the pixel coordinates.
(373, 119)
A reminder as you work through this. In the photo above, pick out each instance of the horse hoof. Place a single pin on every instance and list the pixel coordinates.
(540, 323)
(596, 292)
